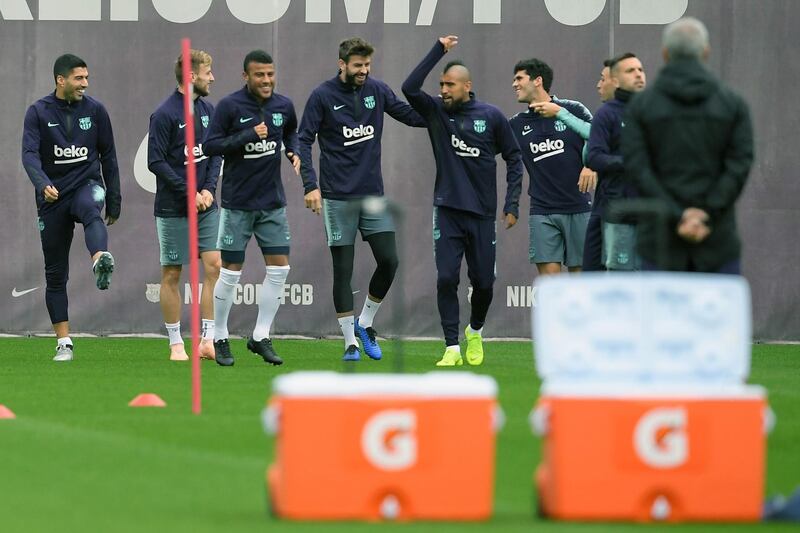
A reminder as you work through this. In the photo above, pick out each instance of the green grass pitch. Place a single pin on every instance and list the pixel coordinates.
(78, 459)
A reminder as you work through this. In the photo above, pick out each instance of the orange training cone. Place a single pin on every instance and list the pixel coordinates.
(147, 400)
(6, 413)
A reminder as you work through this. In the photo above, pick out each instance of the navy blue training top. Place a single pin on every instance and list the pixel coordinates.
(66, 144)
(465, 143)
(347, 121)
(167, 153)
(552, 153)
(252, 172)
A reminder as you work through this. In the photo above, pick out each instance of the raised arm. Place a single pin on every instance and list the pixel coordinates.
(412, 87)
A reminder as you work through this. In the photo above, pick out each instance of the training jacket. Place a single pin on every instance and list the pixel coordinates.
(348, 123)
(552, 153)
(252, 172)
(166, 155)
(465, 142)
(66, 144)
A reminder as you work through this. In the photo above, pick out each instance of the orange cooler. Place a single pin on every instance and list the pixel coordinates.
(378, 446)
(648, 455)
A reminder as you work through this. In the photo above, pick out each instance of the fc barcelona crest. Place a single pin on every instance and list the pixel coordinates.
(560, 126)
(369, 101)
(479, 125)
(204, 120)
(277, 119)
(85, 123)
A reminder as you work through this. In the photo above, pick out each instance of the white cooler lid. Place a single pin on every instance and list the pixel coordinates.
(314, 384)
(643, 327)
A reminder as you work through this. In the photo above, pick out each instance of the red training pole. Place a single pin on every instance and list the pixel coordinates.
(191, 210)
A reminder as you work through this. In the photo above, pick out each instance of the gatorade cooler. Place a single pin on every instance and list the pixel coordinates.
(643, 410)
(381, 446)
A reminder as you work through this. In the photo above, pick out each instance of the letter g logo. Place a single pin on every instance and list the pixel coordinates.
(389, 441)
(660, 438)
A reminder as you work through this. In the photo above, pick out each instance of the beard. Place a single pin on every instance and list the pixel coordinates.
(350, 79)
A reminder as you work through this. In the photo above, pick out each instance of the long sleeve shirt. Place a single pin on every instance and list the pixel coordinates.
(252, 173)
(65, 144)
(552, 153)
(167, 154)
(466, 141)
(347, 121)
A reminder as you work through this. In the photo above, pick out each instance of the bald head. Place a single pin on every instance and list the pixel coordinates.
(686, 38)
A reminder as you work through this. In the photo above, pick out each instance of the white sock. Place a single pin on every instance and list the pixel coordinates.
(368, 313)
(478, 331)
(63, 341)
(223, 300)
(269, 300)
(348, 325)
(174, 332)
(455, 347)
(208, 329)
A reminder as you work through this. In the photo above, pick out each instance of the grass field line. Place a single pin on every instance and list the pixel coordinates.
(125, 441)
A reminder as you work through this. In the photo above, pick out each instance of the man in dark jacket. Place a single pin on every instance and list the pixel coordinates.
(688, 144)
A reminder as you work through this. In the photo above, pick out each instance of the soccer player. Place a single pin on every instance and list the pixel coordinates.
(552, 153)
(605, 157)
(166, 158)
(466, 135)
(249, 128)
(68, 153)
(688, 144)
(345, 114)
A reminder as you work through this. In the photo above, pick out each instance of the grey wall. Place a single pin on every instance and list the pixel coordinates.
(130, 46)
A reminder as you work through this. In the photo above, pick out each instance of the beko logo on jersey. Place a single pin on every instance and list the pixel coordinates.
(359, 134)
(72, 154)
(547, 148)
(260, 149)
(462, 148)
(197, 152)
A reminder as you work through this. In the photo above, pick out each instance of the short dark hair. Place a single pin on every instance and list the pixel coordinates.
(454, 63)
(355, 46)
(65, 63)
(535, 68)
(621, 57)
(608, 62)
(256, 56)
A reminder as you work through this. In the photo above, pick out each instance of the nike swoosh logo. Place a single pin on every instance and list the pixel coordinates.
(338, 107)
(181, 126)
(242, 120)
(494, 242)
(524, 133)
(51, 125)
(16, 294)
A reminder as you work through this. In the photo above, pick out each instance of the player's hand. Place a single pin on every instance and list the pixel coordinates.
(110, 220)
(199, 203)
(545, 109)
(295, 162)
(448, 42)
(208, 198)
(511, 220)
(314, 201)
(587, 181)
(50, 194)
(261, 130)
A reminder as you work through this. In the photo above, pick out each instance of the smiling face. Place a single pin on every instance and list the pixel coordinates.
(203, 79)
(72, 87)
(525, 87)
(356, 71)
(260, 79)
